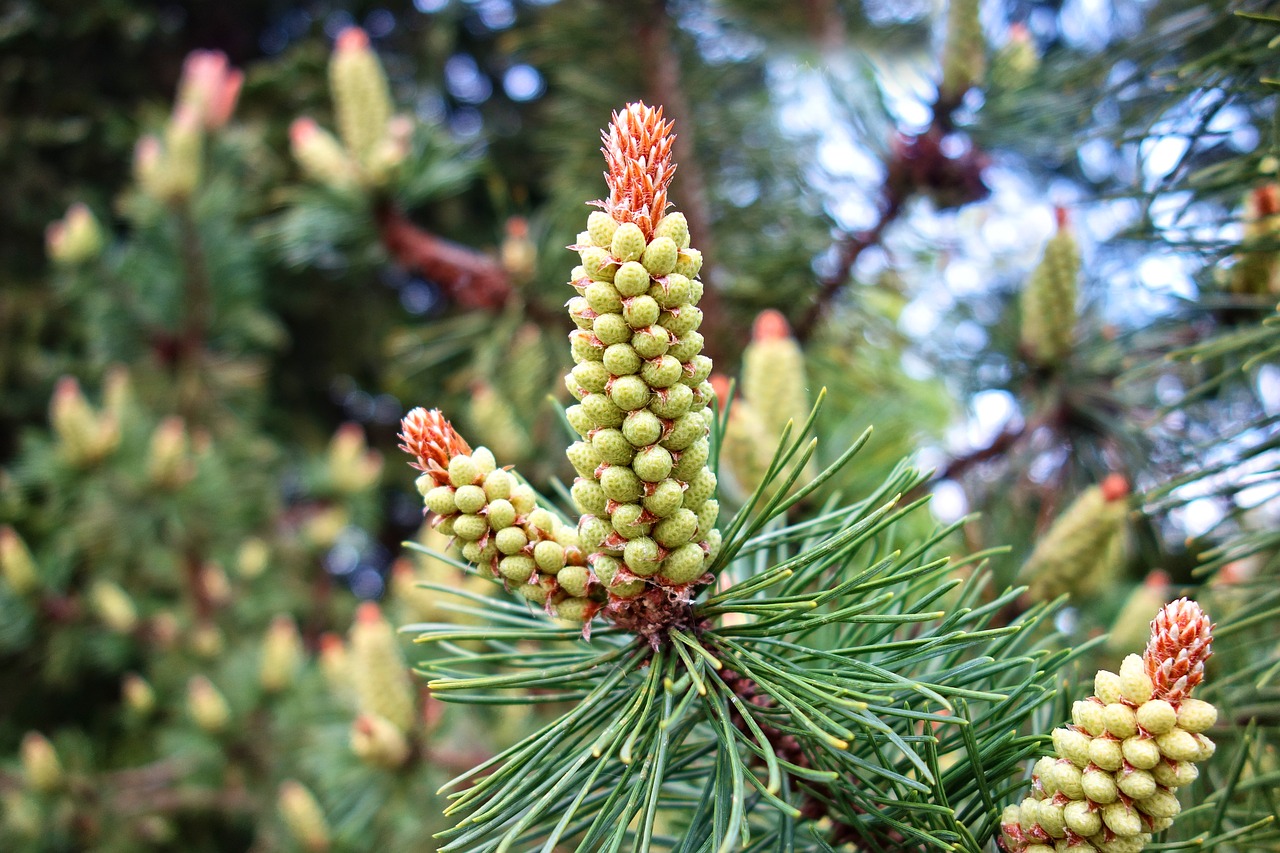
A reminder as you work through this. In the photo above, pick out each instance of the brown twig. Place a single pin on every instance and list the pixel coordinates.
(470, 278)
(916, 165)
(662, 64)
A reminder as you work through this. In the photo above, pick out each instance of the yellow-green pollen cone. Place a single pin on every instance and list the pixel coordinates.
(647, 531)
(644, 488)
(1112, 782)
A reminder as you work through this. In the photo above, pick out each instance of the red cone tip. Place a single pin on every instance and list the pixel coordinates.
(432, 441)
(770, 325)
(1266, 200)
(1181, 641)
(302, 129)
(1062, 217)
(352, 38)
(368, 613)
(1114, 487)
(637, 150)
(721, 385)
(517, 226)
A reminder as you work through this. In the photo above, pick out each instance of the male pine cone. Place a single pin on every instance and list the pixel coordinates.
(644, 488)
(1049, 300)
(1130, 746)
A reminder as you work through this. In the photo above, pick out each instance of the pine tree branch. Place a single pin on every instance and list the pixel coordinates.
(917, 165)
(816, 804)
(470, 278)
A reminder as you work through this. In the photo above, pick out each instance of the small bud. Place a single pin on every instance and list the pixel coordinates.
(1157, 716)
(1178, 745)
(281, 655)
(1049, 311)
(113, 606)
(379, 674)
(17, 566)
(1135, 684)
(76, 238)
(206, 705)
(1141, 752)
(335, 664)
(378, 741)
(1099, 785)
(361, 94)
(321, 157)
(352, 467)
(1195, 715)
(252, 558)
(40, 763)
(169, 462)
(85, 437)
(209, 87)
(964, 53)
(1120, 720)
(1106, 753)
(137, 694)
(628, 244)
(303, 816)
(1106, 686)
(1122, 819)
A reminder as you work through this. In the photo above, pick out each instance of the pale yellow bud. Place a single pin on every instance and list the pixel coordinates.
(378, 741)
(1121, 720)
(1157, 716)
(169, 463)
(1122, 819)
(252, 558)
(17, 566)
(335, 665)
(303, 816)
(1072, 745)
(74, 239)
(1179, 745)
(206, 705)
(206, 640)
(183, 154)
(1141, 752)
(321, 157)
(378, 670)
(1135, 684)
(1080, 818)
(1100, 786)
(361, 95)
(281, 655)
(1159, 804)
(85, 437)
(113, 606)
(353, 468)
(1106, 686)
(1089, 716)
(138, 695)
(1106, 753)
(1195, 715)
(40, 763)
(217, 586)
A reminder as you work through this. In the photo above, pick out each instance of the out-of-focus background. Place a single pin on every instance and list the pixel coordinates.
(990, 229)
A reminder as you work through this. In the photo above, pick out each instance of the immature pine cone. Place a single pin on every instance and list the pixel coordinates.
(1129, 747)
(1085, 545)
(497, 519)
(1049, 300)
(643, 487)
